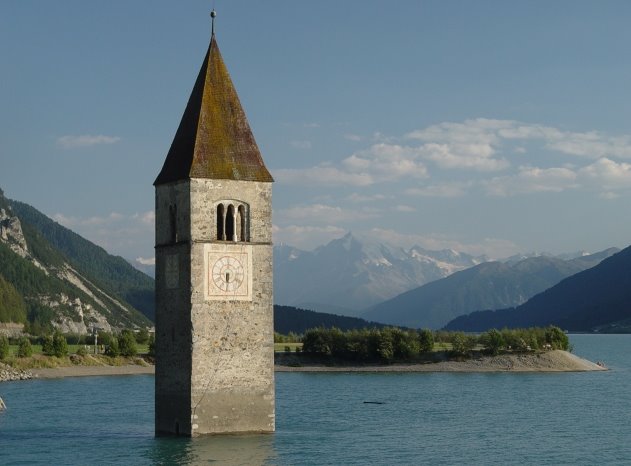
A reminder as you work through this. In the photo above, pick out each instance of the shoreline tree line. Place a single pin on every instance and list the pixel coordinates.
(392, 344)
(124, 343)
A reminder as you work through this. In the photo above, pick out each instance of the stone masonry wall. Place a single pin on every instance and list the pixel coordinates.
(233, 341)
(214, 358)
(173, 321)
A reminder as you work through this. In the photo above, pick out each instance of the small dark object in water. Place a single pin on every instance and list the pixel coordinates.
(374, 403)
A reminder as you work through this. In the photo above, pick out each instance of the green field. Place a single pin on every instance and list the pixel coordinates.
(281, 347)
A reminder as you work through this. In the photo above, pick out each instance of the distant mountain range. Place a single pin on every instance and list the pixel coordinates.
(491, 285)
(51, 276)
(597, 299)
(350, 274)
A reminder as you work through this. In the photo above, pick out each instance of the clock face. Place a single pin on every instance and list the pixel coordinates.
(228, 274)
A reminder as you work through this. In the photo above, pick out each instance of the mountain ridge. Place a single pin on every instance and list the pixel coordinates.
(598, 298)
(55, 290)
(349, 274)
(490, 285)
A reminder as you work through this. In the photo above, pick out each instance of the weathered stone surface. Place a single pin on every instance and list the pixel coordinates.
(214, 307)
(214, 357)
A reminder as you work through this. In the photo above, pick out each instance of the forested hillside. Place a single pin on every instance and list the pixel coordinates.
(42, 288)
(113, 273)
(290, 319)
(12, 307)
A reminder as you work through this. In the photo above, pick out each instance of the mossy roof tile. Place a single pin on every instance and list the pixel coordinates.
(214, 139)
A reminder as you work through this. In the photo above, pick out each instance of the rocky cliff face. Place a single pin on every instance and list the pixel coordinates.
(11, 233)
(47, 281)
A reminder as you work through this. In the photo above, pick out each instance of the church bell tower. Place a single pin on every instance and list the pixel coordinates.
(214, 307)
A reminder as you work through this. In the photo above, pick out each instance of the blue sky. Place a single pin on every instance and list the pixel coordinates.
(489, 127)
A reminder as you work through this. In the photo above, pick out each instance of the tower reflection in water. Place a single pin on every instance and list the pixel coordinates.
(252, 449)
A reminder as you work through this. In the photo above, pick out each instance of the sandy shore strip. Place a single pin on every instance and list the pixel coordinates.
(551, 361)
(86, 371)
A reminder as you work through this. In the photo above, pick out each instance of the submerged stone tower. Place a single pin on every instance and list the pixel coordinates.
(214, 308)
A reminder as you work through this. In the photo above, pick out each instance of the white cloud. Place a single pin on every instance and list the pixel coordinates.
(311, 125)
(121, 234)
(326, 214)
(445, 190)
(146, 261)
(352, 137)
(592, 145)
(85, 140)
(380, 163)
(491, 247)
(532, 180)
(356, 197)
(306, 237)
(387, 162)
(608, 196)
(72, 222)
(474, 143)
(607, 174)
(322, 175)
(302, 145)
(404, 208)
(147, 218)
(477, 157)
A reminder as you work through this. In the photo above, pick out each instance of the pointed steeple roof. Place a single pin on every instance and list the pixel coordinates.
(214, 139)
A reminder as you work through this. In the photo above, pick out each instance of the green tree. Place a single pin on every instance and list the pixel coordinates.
(47, 345)
(557, 338)
(493, 341)
(462, 344)
(12, 307)
(338, 342)
(385, 346)
(104, 338)
(425, 340)
(405, 343)
(142, 337)
(316, 340)
(113, 349)
(357, 344)
(25, 349)
(60, 345)
(152, 346)
(127, 343)
(4, 347)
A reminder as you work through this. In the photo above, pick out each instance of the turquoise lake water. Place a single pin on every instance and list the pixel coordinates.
(440, 418)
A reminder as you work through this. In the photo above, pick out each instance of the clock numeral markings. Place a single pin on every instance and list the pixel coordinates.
(228, 274)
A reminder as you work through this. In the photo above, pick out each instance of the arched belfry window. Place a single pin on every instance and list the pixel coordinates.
(221, 214)
(233, 221)
(241, 223)
(230, 220)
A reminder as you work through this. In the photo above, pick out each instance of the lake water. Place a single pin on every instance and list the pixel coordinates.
(439, 418)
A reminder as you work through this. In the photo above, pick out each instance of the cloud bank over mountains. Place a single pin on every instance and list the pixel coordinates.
(480, 158)
(401, 190)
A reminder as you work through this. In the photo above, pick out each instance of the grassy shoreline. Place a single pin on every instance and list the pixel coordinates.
(549, 361)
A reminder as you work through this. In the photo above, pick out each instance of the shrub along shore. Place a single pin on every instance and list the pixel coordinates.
(319, 349)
